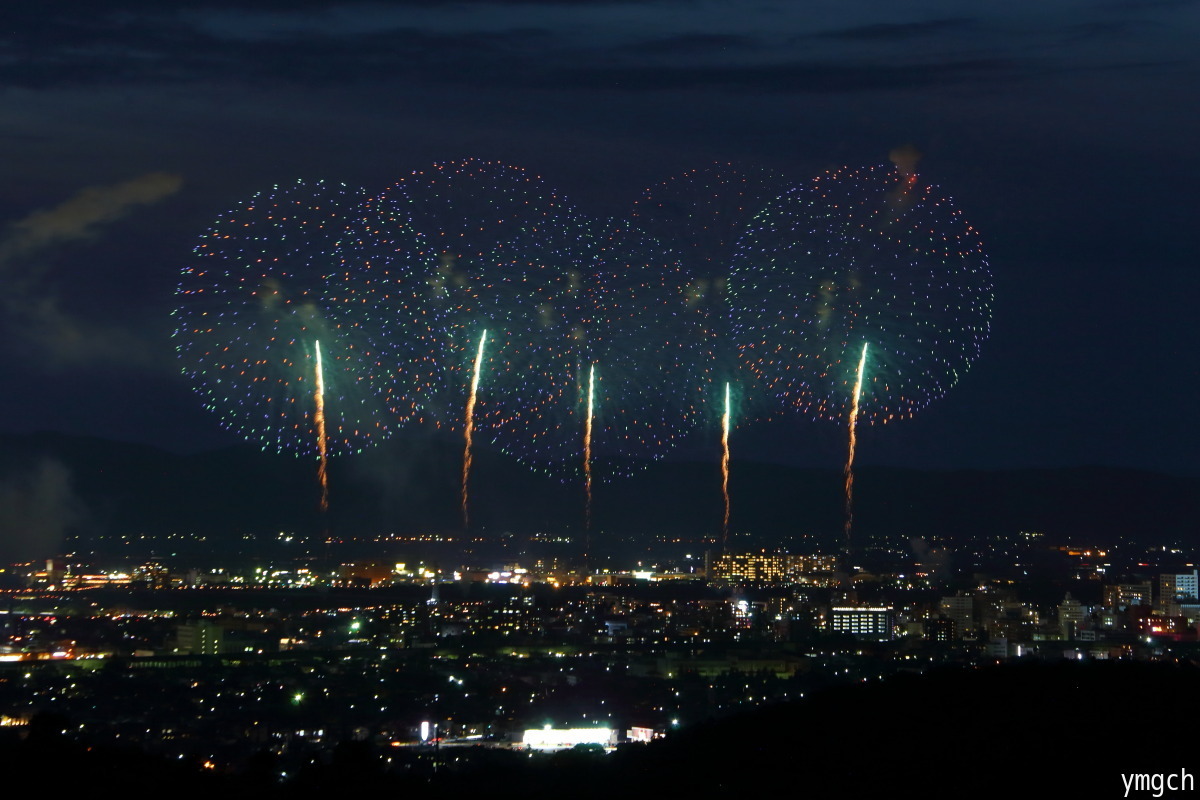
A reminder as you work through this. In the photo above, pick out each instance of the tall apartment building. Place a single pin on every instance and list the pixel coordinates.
(1070, 616)
(864, 622)
(961, 609)
(766, 567)
(1176, 586)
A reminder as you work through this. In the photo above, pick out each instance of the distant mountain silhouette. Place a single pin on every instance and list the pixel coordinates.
(413, 486)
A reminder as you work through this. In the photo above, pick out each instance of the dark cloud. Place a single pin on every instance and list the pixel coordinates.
(792, 78)
(80, 216)
(1147, 5)
(328, 43)
(1103, 31)
(692, 45)
(170, 54)
(33, 311)
(896, 31)
(84, 10)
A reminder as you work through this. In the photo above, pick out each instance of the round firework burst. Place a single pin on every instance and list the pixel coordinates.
(703, 215)
(861, 257)
(643, 339)
(502, 258)
(253, 332)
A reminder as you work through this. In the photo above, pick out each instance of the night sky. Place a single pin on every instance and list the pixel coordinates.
(1067, 132)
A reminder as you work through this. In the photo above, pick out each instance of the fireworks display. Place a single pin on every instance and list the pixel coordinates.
(316, 319)
(380, 295)
(501, 252)
(860, 255)
(704, 213)
(636, 323)
(251, 307)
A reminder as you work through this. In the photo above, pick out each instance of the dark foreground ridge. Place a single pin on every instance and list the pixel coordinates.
(1049, 729)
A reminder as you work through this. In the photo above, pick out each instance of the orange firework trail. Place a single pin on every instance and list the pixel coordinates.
(862, 363)
(587, 444)
(725, 420)
(322, 475)
(470, 427)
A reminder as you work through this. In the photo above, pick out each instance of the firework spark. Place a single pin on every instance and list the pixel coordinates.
(322, 475)
(858, 382)
(470, 427)
(725, 422)
(587, 444)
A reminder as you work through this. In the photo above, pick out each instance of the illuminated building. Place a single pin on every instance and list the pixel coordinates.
(565, 738)
(961, 609)
(1166, 627)
(941, 629)
(152, 575)
(1122, 595)
(864, 622)
(1190, 612)
(365, 573)
(200, 638)
(743, 613)
(766, 567)
(1010, 629)
(1070, 616)
(642, 734)
(1173, 587)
